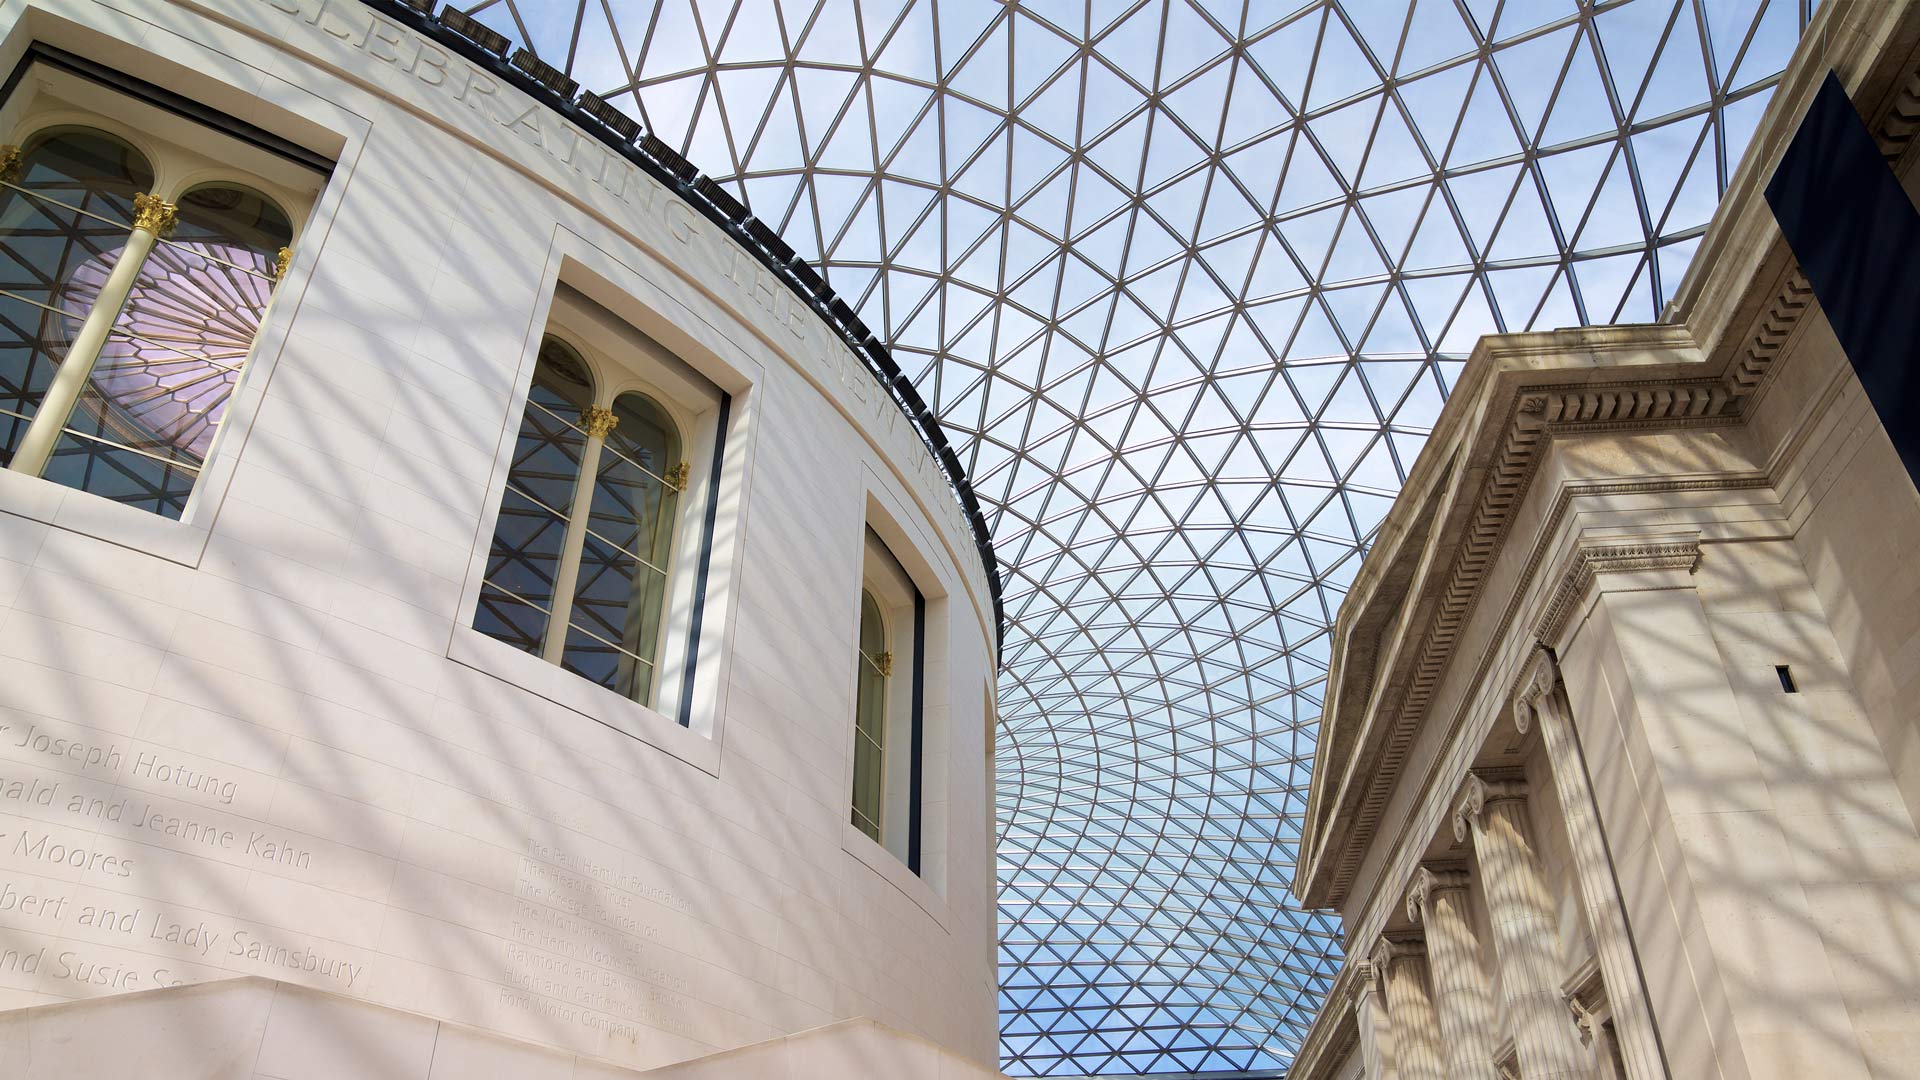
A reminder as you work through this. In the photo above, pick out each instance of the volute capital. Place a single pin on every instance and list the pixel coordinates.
(1426, 882)
(1475, 793)
(1537, 679)
(1388, 951)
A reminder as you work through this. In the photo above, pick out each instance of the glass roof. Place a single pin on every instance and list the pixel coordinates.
(1188, 281)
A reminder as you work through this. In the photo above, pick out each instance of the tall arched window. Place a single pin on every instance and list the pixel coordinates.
(888, 705)
(579, 565)
(162, 380)
(146, 309)
(621, 590)
(870, 720)
(536, 512)
(69, 205)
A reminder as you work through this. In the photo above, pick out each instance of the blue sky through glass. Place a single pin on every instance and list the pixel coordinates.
(1187, 281)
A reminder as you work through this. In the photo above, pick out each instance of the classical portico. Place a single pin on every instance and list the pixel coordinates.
(1617, 719)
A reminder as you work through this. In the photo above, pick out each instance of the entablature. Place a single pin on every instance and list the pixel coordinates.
(1742, 304)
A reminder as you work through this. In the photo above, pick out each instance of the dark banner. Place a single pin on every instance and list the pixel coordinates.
(1857, 237)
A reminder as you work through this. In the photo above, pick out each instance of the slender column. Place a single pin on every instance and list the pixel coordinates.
(151, 217)
(598, 422)
(1520, 907)
(1461, 996)
(1416, 1033)
(1370, 1016)
(1542, 699)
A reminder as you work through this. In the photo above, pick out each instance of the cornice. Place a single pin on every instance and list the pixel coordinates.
(1534, 414)
(1531, 389)
(1590, 561)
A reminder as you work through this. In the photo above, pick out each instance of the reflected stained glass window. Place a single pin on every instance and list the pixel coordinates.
(162, 380)
(158, 385)
(1187, 283)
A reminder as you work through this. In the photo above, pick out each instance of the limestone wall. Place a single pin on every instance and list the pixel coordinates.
(264, 740)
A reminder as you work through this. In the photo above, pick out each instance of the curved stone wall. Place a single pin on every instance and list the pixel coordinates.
(265, 740)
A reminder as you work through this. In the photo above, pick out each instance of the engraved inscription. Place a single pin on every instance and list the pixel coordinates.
(32, 791)
(158, 769)
(36, 845)
(87, 755)
(613, 876)
(30, 905)
(537, 126)
(297, 957)
(150, 822)
(581, 949)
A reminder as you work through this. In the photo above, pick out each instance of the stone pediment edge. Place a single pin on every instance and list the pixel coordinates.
(1741, 363)
(1335, 1032)
(1373, 708)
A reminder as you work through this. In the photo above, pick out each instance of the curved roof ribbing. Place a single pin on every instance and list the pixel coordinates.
(1187, 281)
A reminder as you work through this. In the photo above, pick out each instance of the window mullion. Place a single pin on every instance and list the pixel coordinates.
(597, 422)
(152, 216)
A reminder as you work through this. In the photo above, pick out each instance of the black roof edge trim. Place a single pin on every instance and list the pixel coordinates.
(679, 175)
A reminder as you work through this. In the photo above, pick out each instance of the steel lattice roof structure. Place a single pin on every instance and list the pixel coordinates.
(1187, 282)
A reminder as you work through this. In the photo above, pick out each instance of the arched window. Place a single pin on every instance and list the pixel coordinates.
(888, 706)
(145, 312)
(870, 720)
(622, 586)
(578, 569)
(69, 205)
(516, 600)
(162, 379)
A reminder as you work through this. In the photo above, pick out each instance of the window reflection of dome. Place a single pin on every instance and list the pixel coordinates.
(162, 380)
(235, 214)
(87, 162)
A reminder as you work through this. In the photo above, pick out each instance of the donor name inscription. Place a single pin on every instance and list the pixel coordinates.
(156, 929)
(147, 820)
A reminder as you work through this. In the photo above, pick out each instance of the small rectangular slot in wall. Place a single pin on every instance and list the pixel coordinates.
(1787, 684)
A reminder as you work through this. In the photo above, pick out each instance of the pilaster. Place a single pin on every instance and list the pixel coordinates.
(1736, 863)
(1542, 701)
(1370, 1016)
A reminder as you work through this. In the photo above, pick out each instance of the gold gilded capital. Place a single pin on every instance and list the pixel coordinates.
(152, 213)
(9, 163)
(676, 476)
(885, 663)
(281, 262)
(598, 421)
